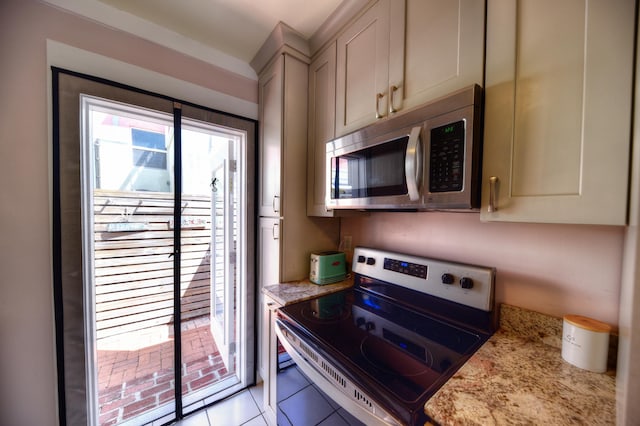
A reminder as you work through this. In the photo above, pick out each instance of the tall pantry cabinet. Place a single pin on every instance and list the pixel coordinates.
(286, 235)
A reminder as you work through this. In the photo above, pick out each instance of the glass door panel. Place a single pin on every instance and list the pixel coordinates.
(223, 261)
(131, 195)
(209, 279)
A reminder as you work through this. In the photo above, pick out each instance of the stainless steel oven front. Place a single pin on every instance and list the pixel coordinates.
(428, 158)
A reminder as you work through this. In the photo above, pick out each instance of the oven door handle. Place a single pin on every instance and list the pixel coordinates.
(413, 164)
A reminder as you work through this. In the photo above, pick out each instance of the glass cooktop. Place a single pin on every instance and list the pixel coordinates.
(398, 352)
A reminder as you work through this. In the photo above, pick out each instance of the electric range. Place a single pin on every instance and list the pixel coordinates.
(383, 347)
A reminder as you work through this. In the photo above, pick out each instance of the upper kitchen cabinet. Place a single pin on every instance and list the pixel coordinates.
(270, 95)
(400, 54)
(322, 95)
(443, 50)
(557, 111)
(362, 78)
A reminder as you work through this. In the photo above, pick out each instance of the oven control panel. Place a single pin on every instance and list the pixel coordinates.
(470, 285)
(404, 267)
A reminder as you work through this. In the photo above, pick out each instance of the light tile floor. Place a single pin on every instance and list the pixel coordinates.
(244, 408)
(300, 403)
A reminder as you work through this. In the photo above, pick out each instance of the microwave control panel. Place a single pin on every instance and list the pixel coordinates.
(447, 157)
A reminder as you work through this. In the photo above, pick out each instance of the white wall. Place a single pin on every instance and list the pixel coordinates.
(32, 37)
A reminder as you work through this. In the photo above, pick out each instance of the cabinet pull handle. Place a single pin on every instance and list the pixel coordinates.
(275, 231)
(392, 90)
(493, 181)
(378, 97)
(276, 206)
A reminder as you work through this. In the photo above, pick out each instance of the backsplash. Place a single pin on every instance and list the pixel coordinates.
(548, 268)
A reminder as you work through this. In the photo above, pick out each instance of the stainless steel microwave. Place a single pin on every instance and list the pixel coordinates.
(426, 159)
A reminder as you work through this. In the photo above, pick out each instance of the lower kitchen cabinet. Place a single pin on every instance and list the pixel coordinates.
(268, 274)
(270, 359)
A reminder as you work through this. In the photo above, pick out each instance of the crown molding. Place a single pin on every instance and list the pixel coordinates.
(283, 39)
(333, 25)
(129, 23)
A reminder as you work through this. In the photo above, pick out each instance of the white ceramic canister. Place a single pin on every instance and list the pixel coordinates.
(585, 342)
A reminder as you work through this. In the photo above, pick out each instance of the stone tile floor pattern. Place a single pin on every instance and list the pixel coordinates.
(136, 374)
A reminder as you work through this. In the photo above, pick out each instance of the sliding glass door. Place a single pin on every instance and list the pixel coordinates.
(211, 283)
(165, 235)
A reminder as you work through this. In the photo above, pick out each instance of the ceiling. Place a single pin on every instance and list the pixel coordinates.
(235, 27)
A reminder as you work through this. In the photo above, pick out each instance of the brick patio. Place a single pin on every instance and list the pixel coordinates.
(135, 372)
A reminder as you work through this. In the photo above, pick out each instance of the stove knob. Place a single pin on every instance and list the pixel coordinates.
(447, 278)
(360, 321)
(370, 326)
(371, 261)
(466, 283)
(361, 259)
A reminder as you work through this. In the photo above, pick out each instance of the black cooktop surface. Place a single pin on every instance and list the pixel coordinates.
(399, 353)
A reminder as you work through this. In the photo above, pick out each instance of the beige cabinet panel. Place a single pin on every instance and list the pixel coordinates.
(270, 351)
(269, 248)
(285, 87)
(401, 54)
(294, 139)
(443, 50)
(558, 111)
(286, 235)
(270, 98)
(268, 274)
(363, 70)
(322, 89)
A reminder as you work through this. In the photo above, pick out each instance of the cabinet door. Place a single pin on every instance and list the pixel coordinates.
(322, 95)
(270, 393)
(363, 70)
(443, 50)
(268, 274)
(268, 251)
(270, 88)
(557, 110)
(293, 201)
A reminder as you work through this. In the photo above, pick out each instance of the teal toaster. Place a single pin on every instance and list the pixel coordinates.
(327, 267)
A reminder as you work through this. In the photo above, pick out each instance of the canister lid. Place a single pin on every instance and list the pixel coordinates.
(588, 323)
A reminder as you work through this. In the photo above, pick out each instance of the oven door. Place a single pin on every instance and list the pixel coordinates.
(374, 174)
(328, 377)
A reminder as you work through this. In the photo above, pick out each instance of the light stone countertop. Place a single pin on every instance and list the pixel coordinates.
(519, 377)
(297, 291)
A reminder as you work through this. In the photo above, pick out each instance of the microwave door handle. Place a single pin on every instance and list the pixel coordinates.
(413, 164)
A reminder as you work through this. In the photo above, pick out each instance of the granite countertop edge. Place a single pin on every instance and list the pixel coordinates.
(297, 291)
(519, 377)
